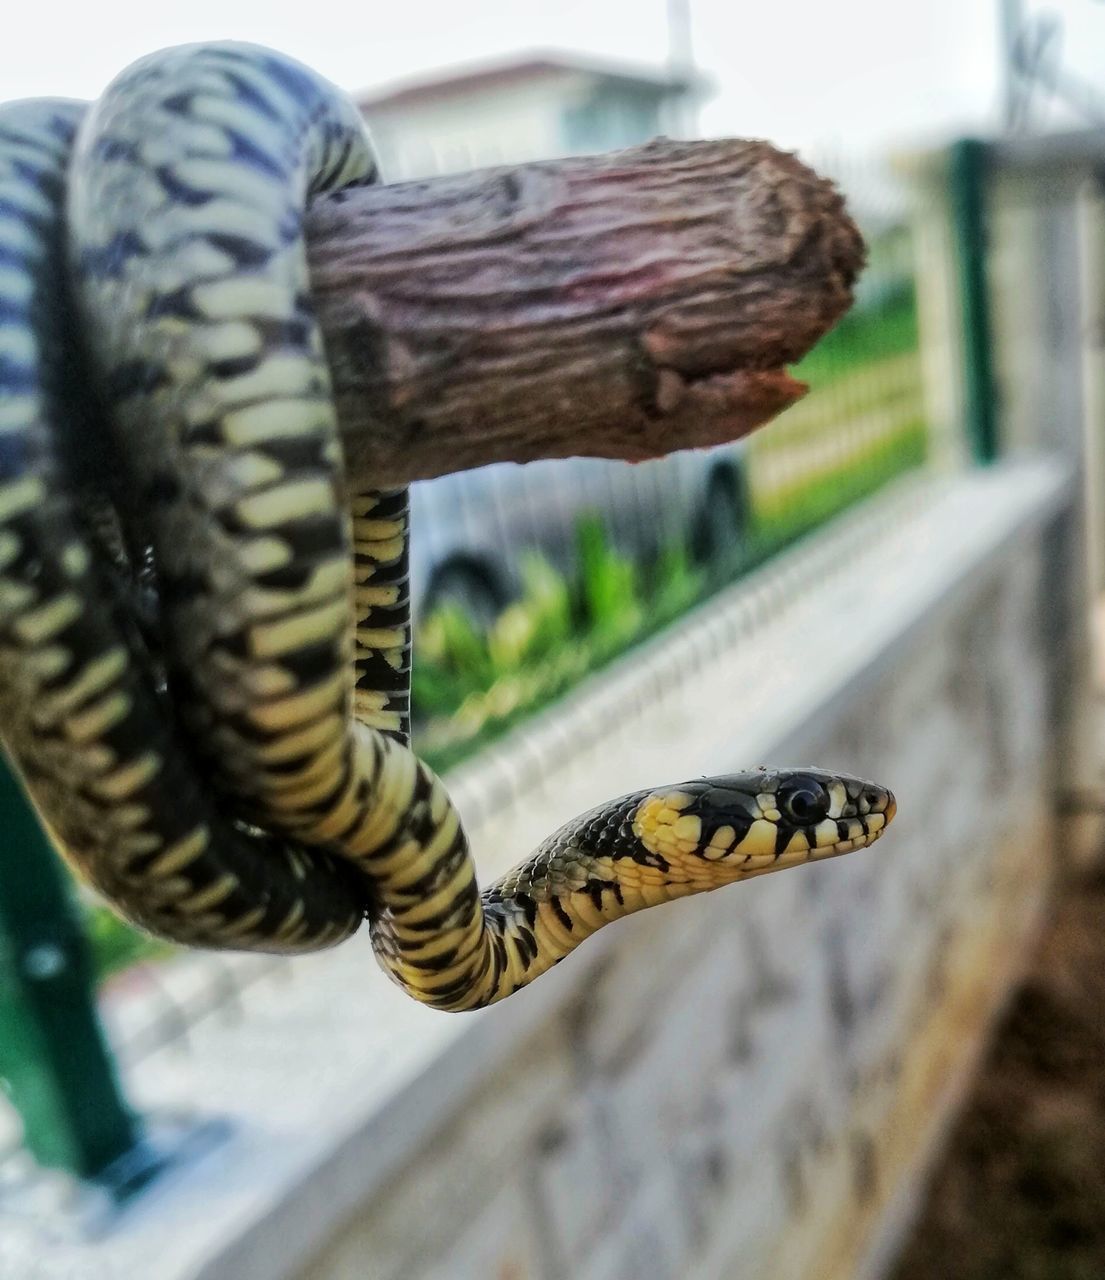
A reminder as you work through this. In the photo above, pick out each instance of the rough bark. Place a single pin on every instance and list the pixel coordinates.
(620, 306)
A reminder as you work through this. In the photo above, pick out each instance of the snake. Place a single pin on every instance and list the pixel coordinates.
(205, 634)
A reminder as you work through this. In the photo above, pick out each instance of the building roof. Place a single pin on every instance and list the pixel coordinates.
(479, 76)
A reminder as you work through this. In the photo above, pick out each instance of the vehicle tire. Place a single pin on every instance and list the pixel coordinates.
(474, 588)
(721, 528)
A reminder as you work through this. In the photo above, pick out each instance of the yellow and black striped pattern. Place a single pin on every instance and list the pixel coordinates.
(204, 637)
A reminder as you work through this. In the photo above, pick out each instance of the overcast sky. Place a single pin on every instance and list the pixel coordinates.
(847, 74)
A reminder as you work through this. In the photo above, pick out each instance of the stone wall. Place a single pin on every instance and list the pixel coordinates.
(751, 1083)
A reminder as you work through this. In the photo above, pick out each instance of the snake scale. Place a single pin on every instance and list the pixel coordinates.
(204, 635)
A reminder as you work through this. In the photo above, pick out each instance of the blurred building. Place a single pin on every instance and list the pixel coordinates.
(533, 107)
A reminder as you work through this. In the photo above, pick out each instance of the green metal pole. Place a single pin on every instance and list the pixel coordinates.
(54, 1062)
(967, 194)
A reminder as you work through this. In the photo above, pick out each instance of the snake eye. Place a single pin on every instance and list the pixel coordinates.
(805, 803)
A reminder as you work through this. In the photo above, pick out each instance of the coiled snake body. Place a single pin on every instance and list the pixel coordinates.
(204, 638)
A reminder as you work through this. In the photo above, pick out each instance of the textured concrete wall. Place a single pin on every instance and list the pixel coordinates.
(750, 1084)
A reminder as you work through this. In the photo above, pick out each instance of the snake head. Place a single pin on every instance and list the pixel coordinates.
(743, 824)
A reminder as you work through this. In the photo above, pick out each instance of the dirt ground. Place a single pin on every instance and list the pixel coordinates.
(1021, 1193)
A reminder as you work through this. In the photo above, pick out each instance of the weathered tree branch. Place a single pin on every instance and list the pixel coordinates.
(622, 306)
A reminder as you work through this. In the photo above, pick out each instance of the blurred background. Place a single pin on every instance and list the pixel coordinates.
(890, 1068)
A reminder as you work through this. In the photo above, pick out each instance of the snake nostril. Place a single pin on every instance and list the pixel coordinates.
(880, 800)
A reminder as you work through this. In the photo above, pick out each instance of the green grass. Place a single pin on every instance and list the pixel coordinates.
(793, 510)
(885, 387)
(862, 338)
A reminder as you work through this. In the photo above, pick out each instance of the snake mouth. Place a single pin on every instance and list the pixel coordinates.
(873, 826)
(863, 841)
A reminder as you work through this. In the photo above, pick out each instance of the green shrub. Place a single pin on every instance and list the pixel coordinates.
(610, 587)
(469, 687)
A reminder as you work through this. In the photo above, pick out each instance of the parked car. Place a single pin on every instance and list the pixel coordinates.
(468, 529)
